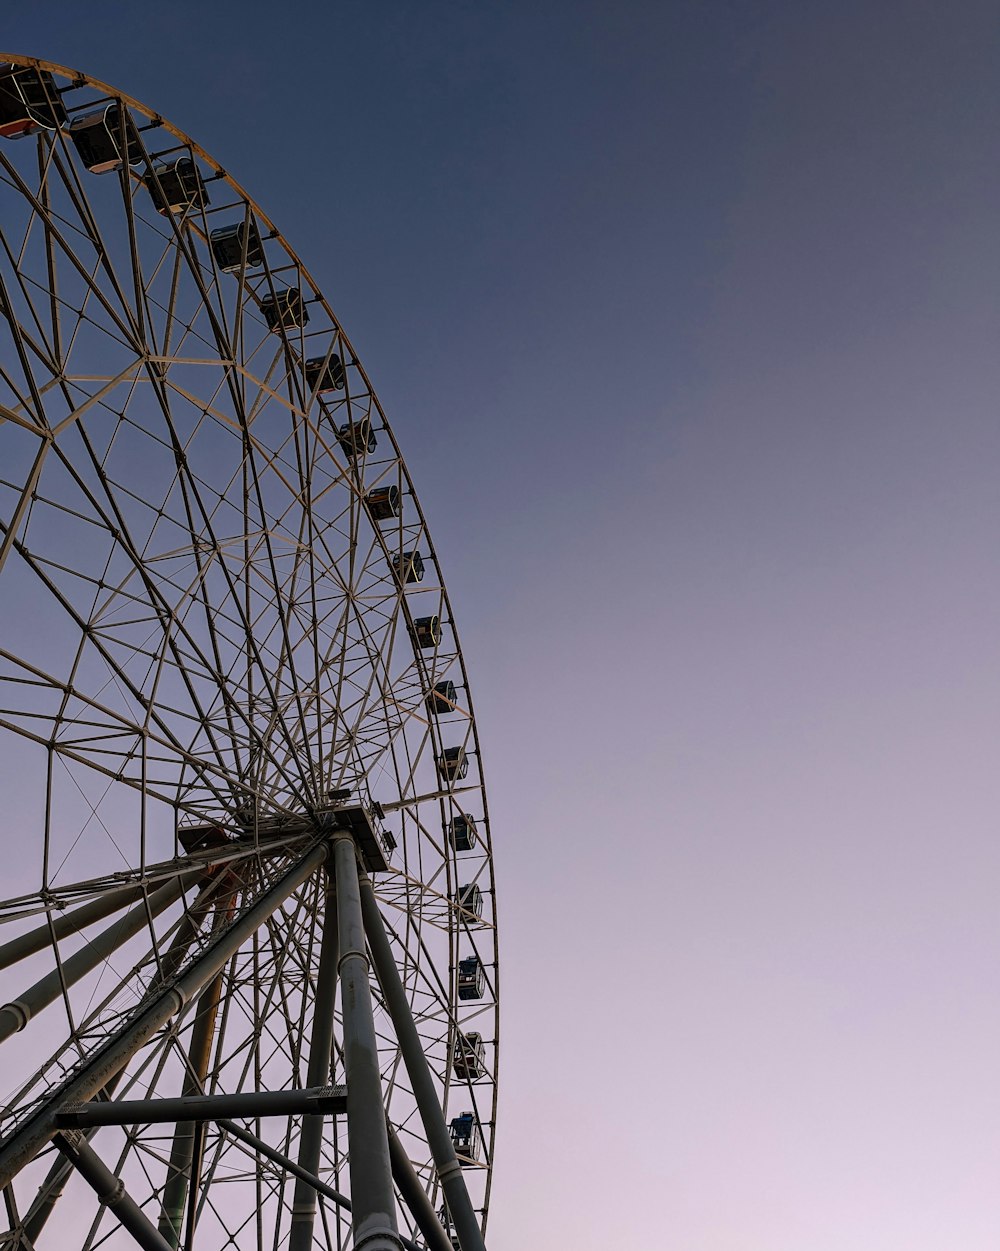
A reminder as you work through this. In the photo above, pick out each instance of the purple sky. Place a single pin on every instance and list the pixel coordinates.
(686, 319)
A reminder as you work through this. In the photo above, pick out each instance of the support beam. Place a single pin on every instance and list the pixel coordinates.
(374, 1203)
(112, 1056)
(285, 1162)
(15, 1016)
(295, 1170)
(190, 927)
(318, 1072)
(245, 1104)
(415, 1197)
(421, 1081)
(175, 955)
(67, 923)
(183, 1149)
(110, 1190)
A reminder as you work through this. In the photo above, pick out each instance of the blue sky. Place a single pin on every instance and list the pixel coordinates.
(685, 317)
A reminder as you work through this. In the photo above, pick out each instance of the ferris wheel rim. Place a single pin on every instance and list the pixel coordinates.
(81, 80)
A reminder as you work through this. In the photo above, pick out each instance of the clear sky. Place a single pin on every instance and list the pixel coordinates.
(685, 315)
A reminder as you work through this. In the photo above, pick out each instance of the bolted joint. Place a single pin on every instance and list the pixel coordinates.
(115, 1195)
(354, 954)
(20, 1012)
(379, 1240)
(447, 1169)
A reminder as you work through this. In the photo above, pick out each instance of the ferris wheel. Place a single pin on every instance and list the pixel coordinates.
(248, 944)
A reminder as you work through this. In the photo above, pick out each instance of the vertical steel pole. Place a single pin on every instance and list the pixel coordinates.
(372, 1199)
(318, 1073)
(182, 1151)
(422, 1083)
(415, 1197)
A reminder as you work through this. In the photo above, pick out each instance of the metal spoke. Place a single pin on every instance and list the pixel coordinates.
(215, 665)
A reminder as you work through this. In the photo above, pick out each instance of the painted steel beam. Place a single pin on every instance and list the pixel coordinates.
(421, 1081)
(14, 1016)
(320, 1054)
(112, 1056)
(373, 1200)
(246, 1104)
(415, 1197)
(66, 923)
(295, 1170)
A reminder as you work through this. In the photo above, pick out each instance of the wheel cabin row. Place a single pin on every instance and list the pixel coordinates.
(107, 139)
(408, 568)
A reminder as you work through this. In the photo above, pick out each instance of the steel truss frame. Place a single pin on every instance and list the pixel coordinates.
(202, 637)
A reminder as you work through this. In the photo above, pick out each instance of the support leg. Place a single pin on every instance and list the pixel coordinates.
(182, 1151)
(415, 1197)
(15, 1016)
(67, 923)
(424, 1090)
(175, 955)
(318, 1074)
(110, 1058)
(374, 1206)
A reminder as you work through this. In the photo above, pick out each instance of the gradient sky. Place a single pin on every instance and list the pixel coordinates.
(685, 315)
